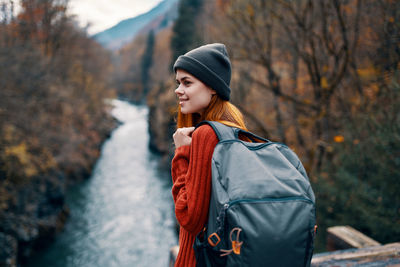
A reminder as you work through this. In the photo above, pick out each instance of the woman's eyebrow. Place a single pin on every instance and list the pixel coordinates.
(183, 78)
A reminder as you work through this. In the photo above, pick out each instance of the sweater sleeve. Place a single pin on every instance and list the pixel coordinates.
(191, 176)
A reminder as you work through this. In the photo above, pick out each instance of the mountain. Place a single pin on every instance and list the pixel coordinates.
(123, 32)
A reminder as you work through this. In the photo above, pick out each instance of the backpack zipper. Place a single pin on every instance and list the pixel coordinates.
(269, 199)
(255, 147)
(226, 206)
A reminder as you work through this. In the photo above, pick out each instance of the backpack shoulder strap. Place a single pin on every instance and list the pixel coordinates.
(223, 131)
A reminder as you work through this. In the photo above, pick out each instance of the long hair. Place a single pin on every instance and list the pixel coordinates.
(218, 110)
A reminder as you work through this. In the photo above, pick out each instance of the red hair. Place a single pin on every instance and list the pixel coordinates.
(218, 110)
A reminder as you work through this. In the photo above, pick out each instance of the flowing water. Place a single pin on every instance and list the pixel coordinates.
(122, 215)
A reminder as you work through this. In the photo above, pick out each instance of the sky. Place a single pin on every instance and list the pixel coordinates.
(103, 14)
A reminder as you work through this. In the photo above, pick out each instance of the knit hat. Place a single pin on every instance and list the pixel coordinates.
(210, 64)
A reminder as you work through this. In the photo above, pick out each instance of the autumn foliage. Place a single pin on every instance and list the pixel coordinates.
(322, 77)
(52, 117)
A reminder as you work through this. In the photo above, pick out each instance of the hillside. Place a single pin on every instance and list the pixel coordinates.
(126, 30)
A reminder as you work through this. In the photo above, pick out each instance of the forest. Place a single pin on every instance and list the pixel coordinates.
(320, 76)
(53, 118)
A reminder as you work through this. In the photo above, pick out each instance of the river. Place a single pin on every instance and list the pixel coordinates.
(123, 214)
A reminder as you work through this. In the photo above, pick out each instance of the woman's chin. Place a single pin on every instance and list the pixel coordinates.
(185, 110)
(189, 110)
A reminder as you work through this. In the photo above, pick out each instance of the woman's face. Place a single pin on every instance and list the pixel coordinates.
(194, 96)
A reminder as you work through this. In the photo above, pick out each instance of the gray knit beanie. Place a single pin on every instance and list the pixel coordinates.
(210, 64)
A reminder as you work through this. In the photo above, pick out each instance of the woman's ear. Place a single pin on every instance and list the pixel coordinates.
(212, 91)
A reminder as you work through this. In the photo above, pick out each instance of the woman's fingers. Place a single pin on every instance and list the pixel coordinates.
(182, 136)
(184, 131)
(187, 131)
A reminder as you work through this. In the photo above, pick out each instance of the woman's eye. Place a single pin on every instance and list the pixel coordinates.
(187, 83)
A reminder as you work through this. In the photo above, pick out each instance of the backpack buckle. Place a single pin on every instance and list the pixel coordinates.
(213, 239)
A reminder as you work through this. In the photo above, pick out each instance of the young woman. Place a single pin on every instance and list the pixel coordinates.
(203, 76)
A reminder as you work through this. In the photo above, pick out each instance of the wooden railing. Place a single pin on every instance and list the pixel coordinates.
(344, 237)
(381, 255)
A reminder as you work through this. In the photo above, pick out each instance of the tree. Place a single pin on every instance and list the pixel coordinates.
(185, 36)
(52, 115)
(307, 40)
(325, 74)
(147, 61)
(43, 21)
(359, 186)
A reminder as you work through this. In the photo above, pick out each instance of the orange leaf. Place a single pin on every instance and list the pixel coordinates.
(338, 139)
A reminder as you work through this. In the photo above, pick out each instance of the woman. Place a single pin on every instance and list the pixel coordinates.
(203, 76)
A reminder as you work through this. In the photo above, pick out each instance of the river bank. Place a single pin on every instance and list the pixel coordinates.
(33, 211)
(123, 214)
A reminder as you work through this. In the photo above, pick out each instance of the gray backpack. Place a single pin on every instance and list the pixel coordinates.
(262, 207)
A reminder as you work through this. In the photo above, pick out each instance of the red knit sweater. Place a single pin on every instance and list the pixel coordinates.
(191, 176)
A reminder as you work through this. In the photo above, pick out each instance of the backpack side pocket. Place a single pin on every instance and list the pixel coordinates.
(310, 246)
(206, 256)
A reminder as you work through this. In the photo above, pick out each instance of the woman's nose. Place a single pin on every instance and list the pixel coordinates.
(179, 90)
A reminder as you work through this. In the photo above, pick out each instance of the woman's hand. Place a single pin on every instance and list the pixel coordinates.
(182, 136)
